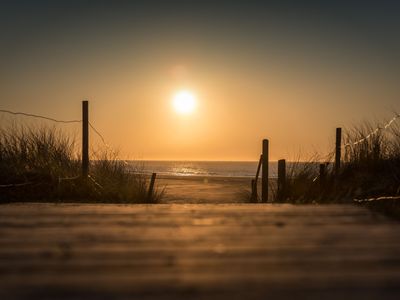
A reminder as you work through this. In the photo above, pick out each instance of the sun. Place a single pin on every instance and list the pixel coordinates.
(184, 102)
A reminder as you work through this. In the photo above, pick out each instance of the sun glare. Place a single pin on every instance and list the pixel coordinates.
(184, 102)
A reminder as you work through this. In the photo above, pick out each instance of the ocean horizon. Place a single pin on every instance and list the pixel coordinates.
(203, 168)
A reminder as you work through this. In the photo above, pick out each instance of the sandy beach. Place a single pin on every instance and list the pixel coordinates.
(204, 189)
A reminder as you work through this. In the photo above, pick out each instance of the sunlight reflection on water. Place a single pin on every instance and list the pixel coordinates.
(205, 168)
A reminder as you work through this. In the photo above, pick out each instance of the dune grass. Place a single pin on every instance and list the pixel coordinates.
(301, 182)
(370, 169)
(43, 164)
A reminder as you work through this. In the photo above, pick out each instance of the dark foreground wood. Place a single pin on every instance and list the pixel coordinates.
(249, 251)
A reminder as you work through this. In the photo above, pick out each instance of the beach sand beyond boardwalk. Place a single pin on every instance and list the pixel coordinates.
(208, 189)
(207, 251)
(203, 189)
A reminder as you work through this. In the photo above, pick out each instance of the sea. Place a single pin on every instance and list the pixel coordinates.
(203, 168)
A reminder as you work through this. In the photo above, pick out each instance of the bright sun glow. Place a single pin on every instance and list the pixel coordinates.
(184, 102)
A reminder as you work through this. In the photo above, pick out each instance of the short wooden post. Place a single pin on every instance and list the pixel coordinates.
(281, 180)
(254, 196)
(338, 149)
(264, 181)
(85, 139)
(151, 186)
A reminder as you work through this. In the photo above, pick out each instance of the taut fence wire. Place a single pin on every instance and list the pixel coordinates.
(351, 145)
(377, 199)
(372, 133)
(60, 179)
(11, 185)
(38, 116)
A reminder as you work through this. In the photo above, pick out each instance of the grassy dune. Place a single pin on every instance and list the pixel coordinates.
(43, 164)
(370, 169)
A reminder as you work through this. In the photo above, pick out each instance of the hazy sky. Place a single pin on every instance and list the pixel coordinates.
(287, 71)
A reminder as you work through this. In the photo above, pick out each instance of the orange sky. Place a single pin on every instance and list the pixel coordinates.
(293, 84)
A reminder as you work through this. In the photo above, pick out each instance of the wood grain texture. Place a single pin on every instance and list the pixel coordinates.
(225, 251)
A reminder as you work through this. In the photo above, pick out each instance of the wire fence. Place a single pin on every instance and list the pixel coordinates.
(328, 157)
(11, 185)
(361, 141)
(97, 132)
(38, 116)
(372, 133)
(377, 199)
(109, 148)
(60, 179)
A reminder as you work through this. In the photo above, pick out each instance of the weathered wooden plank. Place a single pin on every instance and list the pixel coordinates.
(90, 209)
(251, 251)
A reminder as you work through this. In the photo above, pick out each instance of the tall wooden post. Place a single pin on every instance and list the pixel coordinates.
(85, 139)
(264, 181)
(338, 149)
(281, 179)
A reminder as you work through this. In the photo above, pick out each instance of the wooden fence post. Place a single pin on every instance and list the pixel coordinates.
(151, 186)
(338, 149)
(265, 158)
(254, 182)
(281, 180)
(85, 139)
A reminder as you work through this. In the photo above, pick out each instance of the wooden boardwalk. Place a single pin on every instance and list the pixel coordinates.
(248, 251)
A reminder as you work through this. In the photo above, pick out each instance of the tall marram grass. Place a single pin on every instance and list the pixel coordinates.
(370, 169)
(301, 183)
(43, 164)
